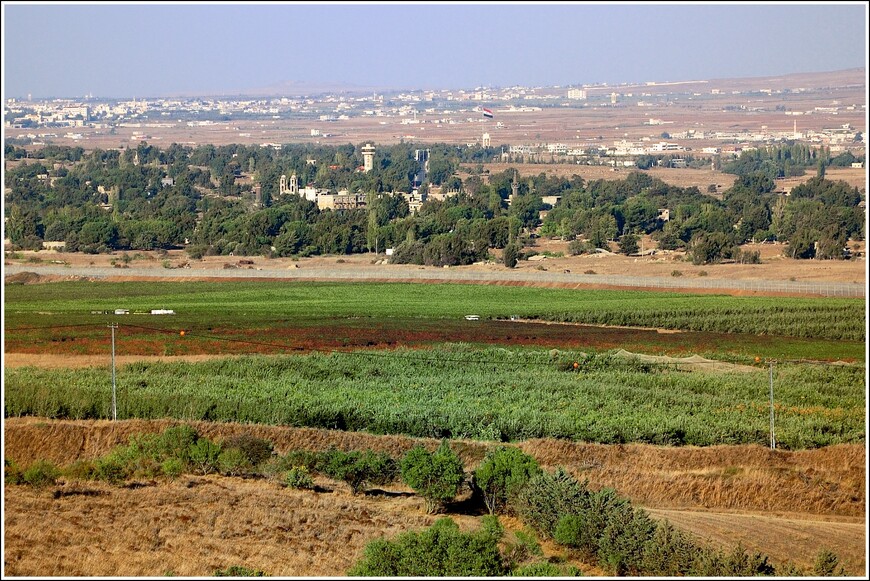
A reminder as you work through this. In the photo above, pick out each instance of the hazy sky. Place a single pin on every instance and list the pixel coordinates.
(155, 49)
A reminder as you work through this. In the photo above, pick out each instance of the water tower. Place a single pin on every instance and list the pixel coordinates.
(368, 152)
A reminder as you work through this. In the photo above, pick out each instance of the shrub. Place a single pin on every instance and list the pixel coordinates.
(172, 467)
(676, 273)
(81, 470)
(111, 468)
(239, 571)
(583, 529)
(503, 472)
(576, 247)
(741, 564)
(41, 473)
(826, 565)
(256, 450)
(233, 462)
(176, 442)
(358, 469)
(204, 455)
(523, 550)
(11, 472)
(434, 476)
(669, 553)
(511, 255)
(299, 477)
(549, 496)
(628, 244)
(622, 541)
(442, 550)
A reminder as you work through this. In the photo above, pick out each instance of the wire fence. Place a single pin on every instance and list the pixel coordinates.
(400, 273)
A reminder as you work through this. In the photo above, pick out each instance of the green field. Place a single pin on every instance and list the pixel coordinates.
(261, 304)
(401, 358)
(457, 391)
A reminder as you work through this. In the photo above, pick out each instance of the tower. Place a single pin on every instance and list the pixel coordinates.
(486, 140)
(368, 152)
(282, 185)
(294, 184)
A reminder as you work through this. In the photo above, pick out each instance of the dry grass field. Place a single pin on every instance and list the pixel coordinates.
(774, 267)
(786, 504)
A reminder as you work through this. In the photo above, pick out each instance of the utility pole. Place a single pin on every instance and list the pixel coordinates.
(113, 326)
(772, 436)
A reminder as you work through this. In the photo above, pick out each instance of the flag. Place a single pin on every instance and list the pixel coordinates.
(487, 113)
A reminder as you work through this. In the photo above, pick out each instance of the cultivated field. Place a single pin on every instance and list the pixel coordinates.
(384, 365)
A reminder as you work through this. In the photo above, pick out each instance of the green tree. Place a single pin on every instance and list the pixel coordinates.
(442, 550)
(435, 476)
(628, 244)
(501, 475)
(511, 255)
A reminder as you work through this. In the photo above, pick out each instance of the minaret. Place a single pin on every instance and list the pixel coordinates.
(368, 152)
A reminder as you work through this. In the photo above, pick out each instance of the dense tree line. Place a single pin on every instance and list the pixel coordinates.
(203, 198)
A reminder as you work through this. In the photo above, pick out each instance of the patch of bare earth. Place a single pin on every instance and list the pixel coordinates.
(788, 505)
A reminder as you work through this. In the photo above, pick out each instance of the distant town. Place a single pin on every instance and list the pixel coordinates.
(537, 124)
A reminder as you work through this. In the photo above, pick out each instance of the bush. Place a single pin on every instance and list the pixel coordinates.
(503, 472)
(576, 247)
(628, 244)
(11, 472)
(669, 553)
(111, 469)
(549, 496)
(434, 476)
(299, 477)
(172, 467)
(41, 473)
(256, 450)
(748, 256)
(204, 455)
(81, 470)
(442, 550)
(176, 442)
(523, 550)
(826, 565)
(511, 255)
(358, 469)
(233, 462)
(622, 541)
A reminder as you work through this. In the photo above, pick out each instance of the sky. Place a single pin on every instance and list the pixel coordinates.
(168, 49)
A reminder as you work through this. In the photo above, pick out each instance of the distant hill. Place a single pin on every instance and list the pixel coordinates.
(299, 88)
(843, 78)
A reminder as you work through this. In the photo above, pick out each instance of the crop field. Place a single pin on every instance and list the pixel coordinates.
(401, 358)
(454, 391)
(279, 317)
(385, 365)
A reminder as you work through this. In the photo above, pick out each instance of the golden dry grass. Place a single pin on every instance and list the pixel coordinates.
(825, 481)
(773, 502)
